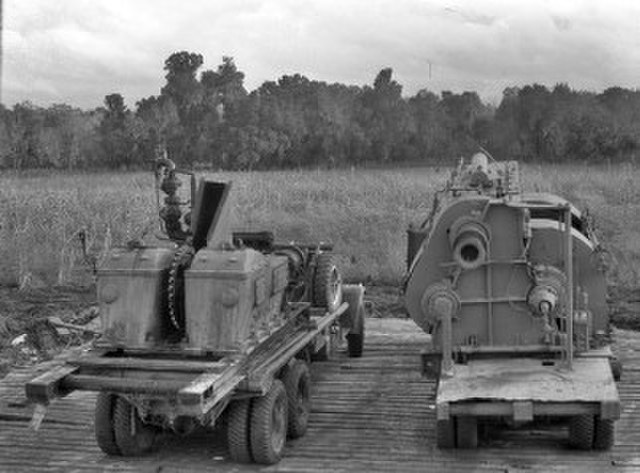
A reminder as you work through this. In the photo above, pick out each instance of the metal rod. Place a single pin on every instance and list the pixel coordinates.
(568, 265)
(489, 292)
(447, 342)
(192, 204)
(494, 300)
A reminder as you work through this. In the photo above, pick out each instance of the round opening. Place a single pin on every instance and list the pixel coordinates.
(469, 253)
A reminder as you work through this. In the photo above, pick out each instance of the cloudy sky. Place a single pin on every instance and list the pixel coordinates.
(77, 51)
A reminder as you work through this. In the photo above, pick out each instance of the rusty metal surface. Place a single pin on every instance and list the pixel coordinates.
(370, 414)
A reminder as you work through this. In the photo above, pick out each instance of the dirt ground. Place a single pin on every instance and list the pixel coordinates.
(27, 331)
(30, 329)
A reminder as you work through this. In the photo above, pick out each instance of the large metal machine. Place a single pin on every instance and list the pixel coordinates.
(209, 289)
(209, 325)
(512, 288)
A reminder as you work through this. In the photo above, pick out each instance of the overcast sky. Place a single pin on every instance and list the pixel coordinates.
(78, 51)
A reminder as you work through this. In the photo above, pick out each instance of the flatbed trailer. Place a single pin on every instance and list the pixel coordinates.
(263, 393)
(525, 389)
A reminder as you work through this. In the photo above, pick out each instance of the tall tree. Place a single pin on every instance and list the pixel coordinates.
(182, 85)
(116, 133)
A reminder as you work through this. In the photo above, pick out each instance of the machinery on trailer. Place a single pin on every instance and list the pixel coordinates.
(212, 325)
(511, 286)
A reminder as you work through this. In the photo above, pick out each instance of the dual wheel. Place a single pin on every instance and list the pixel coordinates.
(119, 429)
(258, 427)
(460, 432)
(587, 432)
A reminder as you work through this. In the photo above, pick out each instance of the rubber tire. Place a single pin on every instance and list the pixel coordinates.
(355, 341)
(103, 423)
(131, 444)
(238, 431)
(581, 432)
(466, 432)
(269, 425)
(355, 344)
(446, 433)
(327, 283)
(604, 434)
(297, 384)
(355, 337)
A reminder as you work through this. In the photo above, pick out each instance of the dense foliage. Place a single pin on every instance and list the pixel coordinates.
(209, 119)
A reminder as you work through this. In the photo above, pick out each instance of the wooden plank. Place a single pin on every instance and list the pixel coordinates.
(510, 350)
(507, 409)
(203, 392)
(180, 377)
(150, 364)
(48, 386)
(527, 379)
(121, 385)
(168, 351)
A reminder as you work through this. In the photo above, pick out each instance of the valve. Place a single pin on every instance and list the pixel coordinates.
(171, 214)
(547, 294)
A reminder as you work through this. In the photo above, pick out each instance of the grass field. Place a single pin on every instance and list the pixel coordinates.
(363, 212)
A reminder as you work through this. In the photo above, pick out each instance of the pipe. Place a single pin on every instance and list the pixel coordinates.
(469, 241)
(444, 306)
(568, 268)
(441, 304)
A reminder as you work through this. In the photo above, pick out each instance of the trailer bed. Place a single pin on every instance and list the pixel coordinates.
(375, 413)
(197, 381)
(526, 387)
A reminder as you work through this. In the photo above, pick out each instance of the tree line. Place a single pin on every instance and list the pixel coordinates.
(208, 118)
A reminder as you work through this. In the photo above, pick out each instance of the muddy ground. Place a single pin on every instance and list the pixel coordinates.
(38, 324)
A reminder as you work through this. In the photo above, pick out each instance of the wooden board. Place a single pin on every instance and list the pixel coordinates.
(374, 414)
(527, 379)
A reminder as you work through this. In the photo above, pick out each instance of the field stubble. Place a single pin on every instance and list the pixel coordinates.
(363, 212)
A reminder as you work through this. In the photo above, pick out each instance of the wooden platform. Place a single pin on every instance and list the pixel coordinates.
(494, 386)
(371, 414)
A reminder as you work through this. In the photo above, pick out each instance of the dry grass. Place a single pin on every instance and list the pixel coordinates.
(364, 213)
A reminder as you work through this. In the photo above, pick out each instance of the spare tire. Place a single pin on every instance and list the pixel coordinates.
(327, 283)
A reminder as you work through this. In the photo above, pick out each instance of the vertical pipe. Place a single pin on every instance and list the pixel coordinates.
(568, 267)
(444, 307)
(193, 189)
(489, 290)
